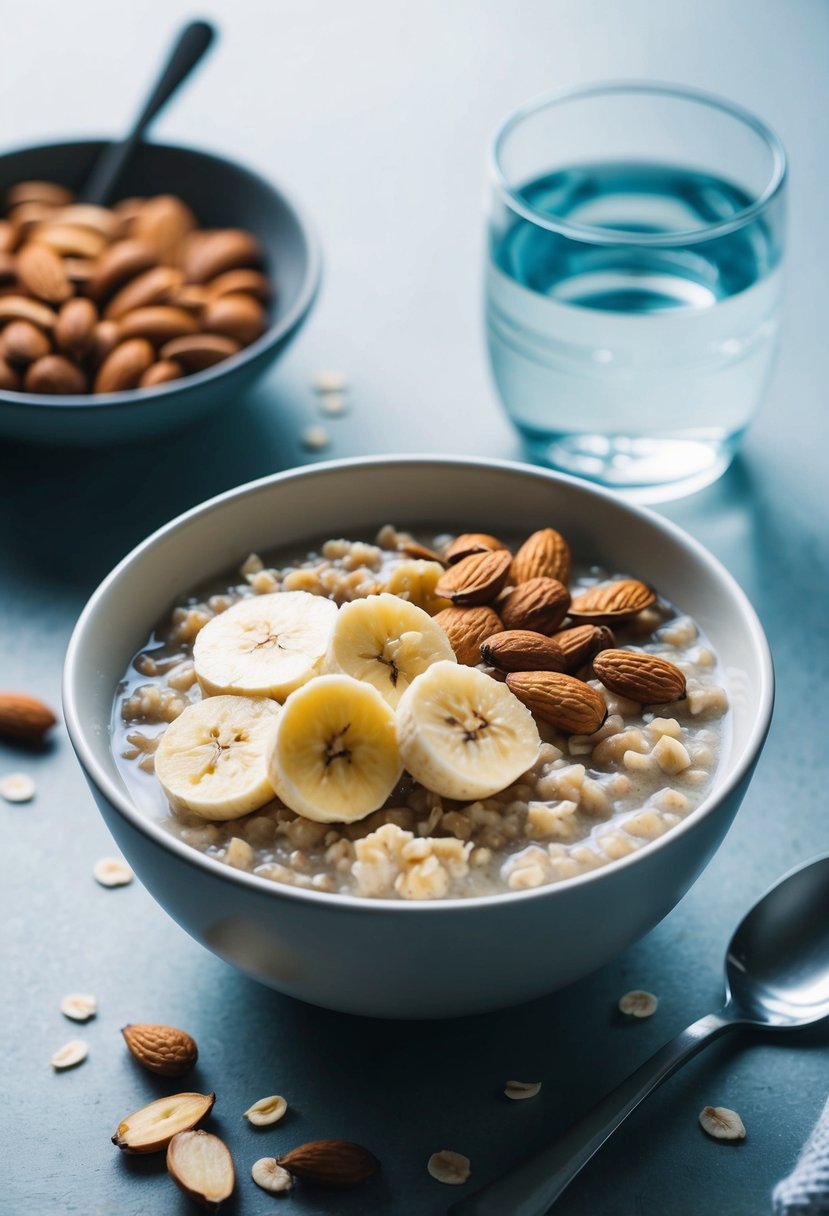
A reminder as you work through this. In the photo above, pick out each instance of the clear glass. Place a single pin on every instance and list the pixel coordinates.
(633, 281)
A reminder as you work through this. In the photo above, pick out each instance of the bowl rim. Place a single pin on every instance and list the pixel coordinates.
(359, 904)
(275, 333)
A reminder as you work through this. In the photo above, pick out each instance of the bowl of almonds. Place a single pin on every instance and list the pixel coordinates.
(122, 322)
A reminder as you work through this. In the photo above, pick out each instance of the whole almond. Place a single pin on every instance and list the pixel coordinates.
(545, 554)
(158, 324)
(23, 343)
(476, 579)
(55, 375)
(104, 340)
(198, 351)
(161, 373)
(330, 1163)
(581, 642)
(38, 192)
(75, 327)
(26, 217)
(612, 601)
(236, 316)
(151, 1128)
(413, 548)
(126, 212)
(563, 701)
(163, 222)
(9, 379)
(24, 718)
(471, 542)
(201, 1166)
(164, 1050)
(121, 261)
(69, 240)
(539, 604)
(522, 650)
(191, 296)
(224, 249)
(640, 677)
(155, 286)
(8, 236)
(88, 215)
(466, 628)
(124, 367)
(21, 308)
(41, 270)
(250, 282)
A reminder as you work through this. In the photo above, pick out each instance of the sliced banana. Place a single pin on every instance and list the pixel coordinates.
(334, 755)
(265, 646)
(462, 734)
(415, 581)
(387, 642)
(212, 758)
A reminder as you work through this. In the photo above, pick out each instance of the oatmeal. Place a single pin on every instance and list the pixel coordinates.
(456, 721)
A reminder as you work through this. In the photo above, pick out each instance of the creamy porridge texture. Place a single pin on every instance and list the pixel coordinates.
(413, 720)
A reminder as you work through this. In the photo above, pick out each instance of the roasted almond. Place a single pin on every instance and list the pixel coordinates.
(27, 216)
(23, 718)
(8, 236)
(55, 375)
(104, 340)
(38, 192)
(164, 1050)
(539, 604)
(163, 222)
(75, 327)
(466, 629)
(195, 352)
(330, 1163)
(201, 1166)
(126, 212)
(9, 379)
(612, 601)
(21, 308)
(151, 1128)
(88, 215)
(545, 554)
(191, 296)
(236, 316)
(79, 270)
(250, 282)
(476, 579)
(216, 252)
(23, 342)
(121, 261)
(640, 677)
(161, 373)
(522, 650)
(413, 548)
(124, 366)
(158, 324)
(563, 701)
(471, 542)
(69, 240)
(155, 286)
(581, 642)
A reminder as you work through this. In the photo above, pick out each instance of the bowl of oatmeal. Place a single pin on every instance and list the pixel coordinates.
(418, 737)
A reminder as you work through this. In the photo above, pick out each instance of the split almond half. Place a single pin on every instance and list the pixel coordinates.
(150, 1129)
(200, 1164)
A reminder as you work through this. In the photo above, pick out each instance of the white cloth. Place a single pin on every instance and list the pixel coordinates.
(805, 1192)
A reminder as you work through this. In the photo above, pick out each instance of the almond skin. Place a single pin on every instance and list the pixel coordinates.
(640, 677)
(23, 718)
(162, 223)
(161, 373)
(121, 261)
(38, 192)
(164, 1050)
(124, 366)
(104, 340)
(563, 701)
(466, 629)
(236, 316)
(56, 376)
(330, 1163)
(195, 352)
(158, 323)
(581, 642)
(471, 542)
(41, 270)
(522, 650)
(69, 240)
(545, 554)
(612, 601)
(250, 282)
(216, 252)
(420, 552)
(24, 343)
(9, 379)
(476, 579)
(21, 308)
(154, 286)
(75, 327)
(539, 604)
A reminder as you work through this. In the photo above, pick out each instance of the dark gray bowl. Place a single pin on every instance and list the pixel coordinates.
(223, 195)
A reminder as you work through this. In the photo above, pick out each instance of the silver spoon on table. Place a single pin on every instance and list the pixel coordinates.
(776, 978)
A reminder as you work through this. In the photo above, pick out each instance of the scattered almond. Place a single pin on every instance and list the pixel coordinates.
(612, 601)
(201, 1166)
(471, 542)
(639, 676)
(164, 1050)
(545, 554)
(466, 629)
(330, 1163)
(112, 872)
(520, 1090)
(24, 718)
(449, 1167)
(580, 643)
(638, 1004)
(475, 579)
(79, 1007)
(522, 650)
(539, 604)
(563, 701)
(17, 787)
(722, 1123)
(70, 1055)
(151, 1128)
(266, 1111)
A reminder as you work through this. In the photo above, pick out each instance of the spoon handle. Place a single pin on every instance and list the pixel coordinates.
(530, 1188)
(190, 45)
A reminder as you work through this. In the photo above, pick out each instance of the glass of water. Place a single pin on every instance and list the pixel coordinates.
(633, 281)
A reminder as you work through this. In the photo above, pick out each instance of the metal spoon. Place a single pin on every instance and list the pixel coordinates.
(776, 978)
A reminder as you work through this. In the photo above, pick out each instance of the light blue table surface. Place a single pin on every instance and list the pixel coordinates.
(377, 116)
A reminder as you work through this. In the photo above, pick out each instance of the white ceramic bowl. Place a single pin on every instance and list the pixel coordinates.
(402, 959)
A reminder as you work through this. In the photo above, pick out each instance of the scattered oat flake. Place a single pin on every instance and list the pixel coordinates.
(722, 1123)
(315, 438)
(270, 1176)
(112, 872)
(266, 1111)
(79, 1006)
(451, 1168)
(17, 787)
(71, 1054)
(518, 1090)
(330, 381)
(333, 404)
(638, 1004)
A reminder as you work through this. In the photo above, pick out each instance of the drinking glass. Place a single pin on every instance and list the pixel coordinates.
(633, 281)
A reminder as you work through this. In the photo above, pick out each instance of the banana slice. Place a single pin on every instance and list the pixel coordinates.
(265, 646)
(334, 756)
(212, 758)
(462, 734)
(415, 581)
(387, 642)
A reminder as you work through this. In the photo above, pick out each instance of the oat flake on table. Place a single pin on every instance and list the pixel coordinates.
(17, 787)
(79, 1006)
(638, 1004)
(112, 872)
(449, 1167)
(68, 1056)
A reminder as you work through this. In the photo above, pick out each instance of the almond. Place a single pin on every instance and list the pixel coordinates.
(539, 604)
(162, 223)
(250, 282)
(21, 308)
(104, 340)
(545, 554)
(476, 579)
(55, 375)
(466, 628)
(23, 342)
(195, 352)
(471, 542)
(581, 642)
(191, 296)
(69, 240)
(413, 548)
(612, 601)
(522, 650)
(126, 212)
(38, 192)
(121, 261)
(151, 1128)
(640, 677)
(79, 270)
(8, 236)
(216, 252)
(236, 316)
(124, 366)
(8, 269)
(158, 323)
(155, 286)
(330, 1163)
(161, 373)
(563, 701)
(9, 379)
(164, 1050)
(24, 718)
(75, 327)
(201, 1166)
(88, 215)
(27, 216)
